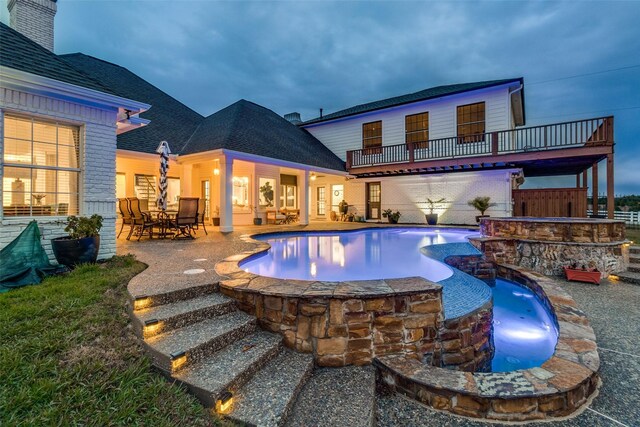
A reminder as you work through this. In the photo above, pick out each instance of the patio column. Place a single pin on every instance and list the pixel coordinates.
(610, 194)
(226, 194)
(594, 187)
(304, 198)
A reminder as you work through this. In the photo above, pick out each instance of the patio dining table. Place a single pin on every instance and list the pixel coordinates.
(163, 218)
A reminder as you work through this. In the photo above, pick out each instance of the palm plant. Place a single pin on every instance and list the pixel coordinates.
(481, 204)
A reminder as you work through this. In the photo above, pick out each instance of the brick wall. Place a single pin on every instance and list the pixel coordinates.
(97, 180)
(34, 19)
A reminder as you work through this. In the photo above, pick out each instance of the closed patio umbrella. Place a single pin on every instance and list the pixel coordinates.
(164, 151)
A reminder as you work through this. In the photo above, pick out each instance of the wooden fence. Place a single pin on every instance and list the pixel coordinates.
(550, 202)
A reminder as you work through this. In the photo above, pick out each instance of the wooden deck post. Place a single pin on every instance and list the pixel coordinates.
(585, 182)
(494, 143)
(349, 159)
(578, 181)
(610, 191)
(411, 147)
(594, 187)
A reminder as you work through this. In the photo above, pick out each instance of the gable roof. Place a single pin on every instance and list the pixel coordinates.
(251, 128)
(423, 95)
(171, 120)
(21, 53)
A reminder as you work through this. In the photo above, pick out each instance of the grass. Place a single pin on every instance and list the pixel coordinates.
(68, 356)
(634, 235)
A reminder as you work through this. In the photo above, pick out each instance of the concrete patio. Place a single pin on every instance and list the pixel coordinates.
(611, 308)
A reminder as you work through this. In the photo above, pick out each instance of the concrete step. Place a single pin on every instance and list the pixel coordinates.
(230, 368)
(182, 313)
(634, 268)
(629, 277)
(635, 250)
(143, 301)
(337, 397)
(634, 259)
(198, 341)
(268, 398)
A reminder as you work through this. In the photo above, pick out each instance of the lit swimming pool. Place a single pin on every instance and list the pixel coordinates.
(355, 255)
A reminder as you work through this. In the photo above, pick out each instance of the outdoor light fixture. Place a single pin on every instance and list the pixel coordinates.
(613, 277)
(178, 360)
(313, 176)
(151, 327)
(223, 404)
(216, 171)
(141, 302)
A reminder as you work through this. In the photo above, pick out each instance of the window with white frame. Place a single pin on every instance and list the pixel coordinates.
(41, 170)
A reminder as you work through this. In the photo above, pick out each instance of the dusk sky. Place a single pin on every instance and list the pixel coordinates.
(578, 59)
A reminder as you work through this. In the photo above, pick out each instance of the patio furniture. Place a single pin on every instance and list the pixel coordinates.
(275, 217)
(140, 221)
(186, 218)
(292, 215)
(123, 207)
(201, 214)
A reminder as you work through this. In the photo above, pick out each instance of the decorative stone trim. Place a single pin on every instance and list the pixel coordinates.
(345, 323)
(557, 388)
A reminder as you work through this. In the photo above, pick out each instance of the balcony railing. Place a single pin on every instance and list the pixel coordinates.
(579, 133)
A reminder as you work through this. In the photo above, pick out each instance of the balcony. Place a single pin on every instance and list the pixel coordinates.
(546, 150)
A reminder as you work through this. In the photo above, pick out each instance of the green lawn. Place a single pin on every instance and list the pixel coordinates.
(68, 356)
(634, 234)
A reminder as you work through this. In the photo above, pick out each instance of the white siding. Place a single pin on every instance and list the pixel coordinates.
(345, 134)
(408, 194)
(98, 150)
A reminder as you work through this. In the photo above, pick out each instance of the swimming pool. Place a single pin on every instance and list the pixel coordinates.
(355, 255)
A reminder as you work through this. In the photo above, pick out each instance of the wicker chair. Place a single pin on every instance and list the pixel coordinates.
(186, 218)
(139, 220)
(123, 207)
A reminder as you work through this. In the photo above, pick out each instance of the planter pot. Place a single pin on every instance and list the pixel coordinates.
(392, 221)
(432, 219)
(216, 222)
(257, 221)
(350, 219)
(582, 275)
(71, 252)
(479, 217)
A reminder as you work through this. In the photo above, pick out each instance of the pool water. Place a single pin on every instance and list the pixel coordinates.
(524, 334)
(355, 255)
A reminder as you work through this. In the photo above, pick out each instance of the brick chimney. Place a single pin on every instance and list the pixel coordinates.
(34, 19)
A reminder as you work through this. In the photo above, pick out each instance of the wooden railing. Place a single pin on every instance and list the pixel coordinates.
(579, 133)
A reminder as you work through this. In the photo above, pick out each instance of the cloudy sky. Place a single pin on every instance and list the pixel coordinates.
(578, 59)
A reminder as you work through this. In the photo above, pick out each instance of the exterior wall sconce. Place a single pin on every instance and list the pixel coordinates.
(216, 171)
(313, 176)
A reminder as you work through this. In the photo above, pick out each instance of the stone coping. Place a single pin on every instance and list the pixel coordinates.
(590, 244)
(239, 279)
(557, 388)
(556, 220)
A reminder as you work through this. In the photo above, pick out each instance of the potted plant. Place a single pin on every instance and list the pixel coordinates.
(216, 216)
(481, 204)
(584, 274)
(344, 207)
(82, 243)
(350, 217)
(256, 219)
(432, 218)
(391, 216)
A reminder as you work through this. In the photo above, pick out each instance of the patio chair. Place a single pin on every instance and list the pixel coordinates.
(201, 213)
(186, 218)
(139, 220)
(123, 207)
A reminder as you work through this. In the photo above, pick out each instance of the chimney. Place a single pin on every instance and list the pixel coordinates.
(34, 19)
(293, 118)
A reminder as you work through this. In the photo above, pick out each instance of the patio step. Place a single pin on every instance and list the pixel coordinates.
(268, 398)
(230, 368)
(162, 298)
(635, 250)
(634, 267)
(337, 397)
(183, 313)
(198, 341)
(629, 277)
(634, 259)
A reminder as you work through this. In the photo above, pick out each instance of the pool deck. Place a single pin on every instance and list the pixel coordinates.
(612, 309)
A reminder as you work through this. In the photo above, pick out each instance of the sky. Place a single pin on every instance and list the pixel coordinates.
(579, 59)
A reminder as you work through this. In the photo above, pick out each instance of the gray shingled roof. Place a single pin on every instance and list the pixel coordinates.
(170, 119)
(423, 95)
(251, 128)
(21, 53)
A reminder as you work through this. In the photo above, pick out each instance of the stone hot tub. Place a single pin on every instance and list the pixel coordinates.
(546, 245)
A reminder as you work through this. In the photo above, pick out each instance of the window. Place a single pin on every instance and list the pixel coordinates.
(471, 123)
(321, 200)
(372, 137)
(288, 191)
(417, 130)
(121, 185)
(173, 192)
(145, 189)
(41, 170)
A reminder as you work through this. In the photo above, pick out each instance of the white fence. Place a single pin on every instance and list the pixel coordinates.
(631, 218)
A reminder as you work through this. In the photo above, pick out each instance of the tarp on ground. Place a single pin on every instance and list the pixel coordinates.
(24, 261)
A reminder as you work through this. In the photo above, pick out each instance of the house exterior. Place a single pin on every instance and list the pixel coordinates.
(79, 132)
(59, 129)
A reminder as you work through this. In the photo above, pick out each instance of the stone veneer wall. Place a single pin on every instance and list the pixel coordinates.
(548, 246)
